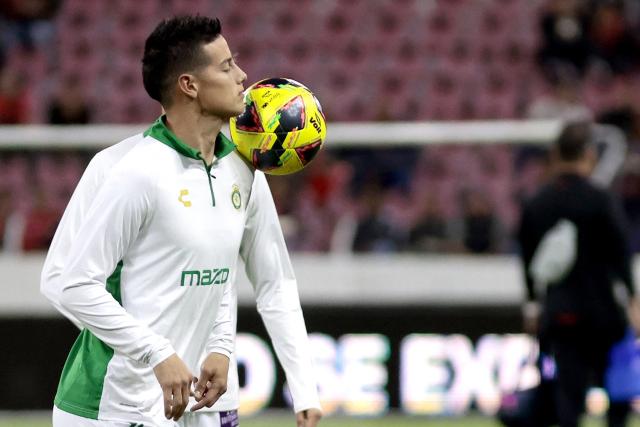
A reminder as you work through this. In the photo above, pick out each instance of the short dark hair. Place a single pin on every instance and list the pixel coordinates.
(573, 141)
(175, 47)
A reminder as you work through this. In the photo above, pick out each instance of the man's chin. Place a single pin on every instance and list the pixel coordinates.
(226, 115)
(236, 113)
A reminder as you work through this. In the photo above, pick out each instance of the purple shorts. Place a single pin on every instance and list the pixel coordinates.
(229, 419)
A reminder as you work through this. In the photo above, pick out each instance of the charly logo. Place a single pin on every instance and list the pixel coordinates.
(184, 194)
(236, 198)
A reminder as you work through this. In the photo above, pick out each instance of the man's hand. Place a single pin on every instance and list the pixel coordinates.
(633, 311)
(175, 379)
(308, 417)
(213, 381)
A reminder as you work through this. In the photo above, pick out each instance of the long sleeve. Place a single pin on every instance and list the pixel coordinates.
(221, 339)
(270, 271)
(79, 204)
(112, 223)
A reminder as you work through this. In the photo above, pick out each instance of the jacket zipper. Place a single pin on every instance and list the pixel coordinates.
(207, 170)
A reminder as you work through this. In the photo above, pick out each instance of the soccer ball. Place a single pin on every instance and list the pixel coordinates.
(282, 127)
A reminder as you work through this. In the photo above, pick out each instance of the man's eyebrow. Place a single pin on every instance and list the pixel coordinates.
(233, 58)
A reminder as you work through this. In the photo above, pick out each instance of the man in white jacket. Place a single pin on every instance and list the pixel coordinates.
(168, 211)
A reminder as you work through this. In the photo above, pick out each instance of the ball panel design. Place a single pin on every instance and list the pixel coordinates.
(266, 160)
(249, 120)
(292, 115)
(290, 163)
(306, 153)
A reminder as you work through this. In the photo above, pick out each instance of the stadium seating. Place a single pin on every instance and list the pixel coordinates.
(409, 38)
(365, 60)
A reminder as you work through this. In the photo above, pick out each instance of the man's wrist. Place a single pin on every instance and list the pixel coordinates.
(161, 355)
(220, 350)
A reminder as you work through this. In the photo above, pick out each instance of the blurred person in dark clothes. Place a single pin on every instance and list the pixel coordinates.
(478, 229)
(375, 231)
(564, 26)
(29, 22)
(69, 105)
(574, 248)
(429, 233)
(613, 39)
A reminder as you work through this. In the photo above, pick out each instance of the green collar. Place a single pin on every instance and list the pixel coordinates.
(161, 132)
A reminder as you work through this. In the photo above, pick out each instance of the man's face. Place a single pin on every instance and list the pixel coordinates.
(220, 82)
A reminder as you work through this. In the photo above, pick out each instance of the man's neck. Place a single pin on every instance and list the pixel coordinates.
(580, 168)
(198, 132)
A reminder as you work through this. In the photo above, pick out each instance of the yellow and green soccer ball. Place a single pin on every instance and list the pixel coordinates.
(282, 127)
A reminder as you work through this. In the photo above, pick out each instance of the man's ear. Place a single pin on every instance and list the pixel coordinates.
(188, 85)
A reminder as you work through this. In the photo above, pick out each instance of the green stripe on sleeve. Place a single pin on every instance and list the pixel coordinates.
(82, 380)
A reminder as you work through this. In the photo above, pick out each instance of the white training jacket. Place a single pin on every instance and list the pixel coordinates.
(261, 246)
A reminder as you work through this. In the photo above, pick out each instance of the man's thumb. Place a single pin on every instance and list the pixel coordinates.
(200, 387)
